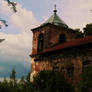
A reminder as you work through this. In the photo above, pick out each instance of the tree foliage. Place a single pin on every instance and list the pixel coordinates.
(28, 77)
(12, 4)
(45, 81)
(3, 22)
(88, 30)
(79, 34)
(13, 75)
(85, 84)
(49, 81)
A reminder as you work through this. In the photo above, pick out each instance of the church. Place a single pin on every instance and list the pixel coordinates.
(57, 48)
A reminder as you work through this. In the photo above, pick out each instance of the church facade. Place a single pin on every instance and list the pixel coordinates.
(56, 48)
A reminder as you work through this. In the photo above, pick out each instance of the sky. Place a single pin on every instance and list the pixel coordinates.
(15, 50)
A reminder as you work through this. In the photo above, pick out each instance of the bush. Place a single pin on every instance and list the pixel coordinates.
(48, 81)
(85, 84)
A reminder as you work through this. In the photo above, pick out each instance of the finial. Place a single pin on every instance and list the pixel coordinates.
(55, 10)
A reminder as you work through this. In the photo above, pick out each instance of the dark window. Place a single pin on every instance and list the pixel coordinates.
(70, 71)
(55, 68)
(86, 64)
(62, 70)
(40, 42)
(62, 38)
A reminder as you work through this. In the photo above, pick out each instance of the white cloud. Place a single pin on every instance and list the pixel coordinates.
(17, 47)
(24, 19)
(45, 18)
(76, 13)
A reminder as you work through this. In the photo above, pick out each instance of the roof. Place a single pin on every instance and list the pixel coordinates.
(73, 43)
(55, 19)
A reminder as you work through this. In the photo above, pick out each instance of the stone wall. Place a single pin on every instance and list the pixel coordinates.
(70, 62)
(51, 36)
(57, 31)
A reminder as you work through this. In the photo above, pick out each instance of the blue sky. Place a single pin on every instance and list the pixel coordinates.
(15, 50)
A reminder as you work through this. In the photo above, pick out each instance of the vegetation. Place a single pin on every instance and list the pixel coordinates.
(88, 30)
(45, 81)
(51, 82)
(79, 34)
(85, 84)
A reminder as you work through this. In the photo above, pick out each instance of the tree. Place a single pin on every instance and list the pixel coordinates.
(88, 30)
(2, 21)
(13, 77)
(1, 40)
(28, 77)
(4, 86)
(79, 34)
(49, 81)
(22, 80)
(12, 4)
(85, 84)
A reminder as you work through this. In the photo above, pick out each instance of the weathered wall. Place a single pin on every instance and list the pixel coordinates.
(69, 61)
(51, 36)
(56, 31)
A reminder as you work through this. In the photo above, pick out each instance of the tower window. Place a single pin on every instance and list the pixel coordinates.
(70, 71)
(86, 64)
(40, 42)
(62, 38)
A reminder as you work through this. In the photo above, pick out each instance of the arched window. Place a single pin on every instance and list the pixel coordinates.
(40, 42)
(62, 38)
(86, 64)
(70, 70)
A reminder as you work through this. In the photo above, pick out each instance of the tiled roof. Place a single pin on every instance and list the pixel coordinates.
(54, 19)
(73, 43)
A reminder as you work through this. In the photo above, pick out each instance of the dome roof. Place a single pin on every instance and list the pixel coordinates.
(55, 19)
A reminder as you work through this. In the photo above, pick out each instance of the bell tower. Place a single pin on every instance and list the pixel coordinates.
(44, 34)
(52, 32)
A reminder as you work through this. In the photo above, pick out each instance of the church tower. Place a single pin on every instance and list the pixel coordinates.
(49, 34)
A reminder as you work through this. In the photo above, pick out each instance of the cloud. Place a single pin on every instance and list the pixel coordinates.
(17, 47)
(24, 19)
(76, 13)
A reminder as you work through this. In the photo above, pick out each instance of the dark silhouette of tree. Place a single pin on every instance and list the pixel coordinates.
(79, 34)
(13, 77)
(1, 40)
(45, 81)
(28, 77)
(22, 80)
(3, 22)
(49, 81)
(13, 4)
(85, 84)
(88, 30)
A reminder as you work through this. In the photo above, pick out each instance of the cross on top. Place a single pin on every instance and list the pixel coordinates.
(55, 10)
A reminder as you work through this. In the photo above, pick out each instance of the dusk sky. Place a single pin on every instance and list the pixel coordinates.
(15, 50)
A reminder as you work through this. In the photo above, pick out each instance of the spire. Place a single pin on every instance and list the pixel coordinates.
(55, 19)
(55, 10)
